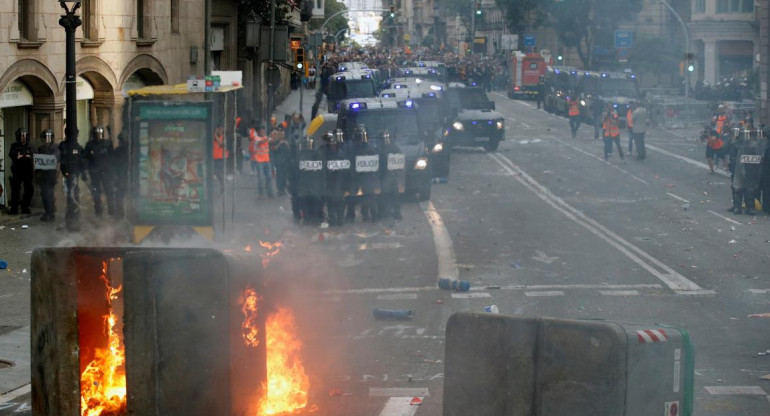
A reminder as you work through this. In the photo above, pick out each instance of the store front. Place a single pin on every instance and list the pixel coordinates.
(85, 96)
(15, 104)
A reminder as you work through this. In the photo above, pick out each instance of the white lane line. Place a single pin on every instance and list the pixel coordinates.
(577, 286)
(686, 159)
(619, 292)
(488, 287)
(544, 294)
(677, 197)
(398, 392)
(445, 251)
(14, 394)
(471, 295)
(728, 219)
(716, 390)
(527, 126)
(699, 292)
(398, 296)
(669, 276)
(400, 406)
(759, 291)
(601, 160)
(379, 290)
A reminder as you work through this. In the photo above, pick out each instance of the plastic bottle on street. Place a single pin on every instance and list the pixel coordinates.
(492, 309)
(393, 314)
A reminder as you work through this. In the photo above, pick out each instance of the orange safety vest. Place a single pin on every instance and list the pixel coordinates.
(629, 119)
(721, 119)
(260, 150)
(715, 142)
(611, 128)
(219, 150)
(574, 110)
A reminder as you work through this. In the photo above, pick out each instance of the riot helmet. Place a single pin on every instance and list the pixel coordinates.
(22, 135)
(361, 135)
(306, 143)
(97, 133)
(340, 135)
(47, 136)
(386, 137)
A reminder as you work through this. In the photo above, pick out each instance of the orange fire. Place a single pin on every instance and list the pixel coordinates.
(103, 382)
(287, 381)
(249, 325)
(272, 250)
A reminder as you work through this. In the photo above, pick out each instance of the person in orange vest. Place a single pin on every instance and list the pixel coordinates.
(611, 128)
(574, 114)
(220, 154)
(715, 146)
(629, 126)
(719, 120)
(259, 149)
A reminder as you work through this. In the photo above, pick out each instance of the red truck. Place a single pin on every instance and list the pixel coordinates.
(526, 71)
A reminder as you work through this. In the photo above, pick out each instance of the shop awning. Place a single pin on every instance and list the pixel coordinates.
(16, 94)
(178, 89)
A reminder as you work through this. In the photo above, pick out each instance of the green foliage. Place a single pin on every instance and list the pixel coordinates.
(522, 13)
(337, 23)
(656, 55)
(247, 9)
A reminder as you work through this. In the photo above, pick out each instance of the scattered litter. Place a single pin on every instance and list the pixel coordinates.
(458, 285)
(731, 242)
(338, 392)
(515, 265)
(393, 314)
(476, 192)
(762, 354)
(24, 227)
(547, 172)
(13, 229)
(720, 381)
(24, 271)
(3, 264)
(321, 237)
(493, 309)
(324, 225)
(765, 377)
(705, 193)
(28, 252)
(492, 287)
(439, 301)
(416, 401)
(2, 227)
(686, 207)
(670, 185)
(732, 228)
(760, 315)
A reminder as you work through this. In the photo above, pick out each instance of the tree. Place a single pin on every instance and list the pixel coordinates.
(583, 24)
(247, 9)
(519, 14)
(337, 23)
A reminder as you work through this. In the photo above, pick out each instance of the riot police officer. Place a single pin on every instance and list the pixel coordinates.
(98, 156)
(366, 177)
(48, 177)
(22, 172)
(392, 177)
(748, 170)
(337, 177)
(310, 181)
(72, 168)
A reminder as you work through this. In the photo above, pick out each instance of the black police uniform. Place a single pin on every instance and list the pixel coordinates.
(748, 171)
(392, 179)
(98, 155)
(48, 178)
(366, 180)
(310, 182)
(22, 173)
(72, 167)
(337, 181)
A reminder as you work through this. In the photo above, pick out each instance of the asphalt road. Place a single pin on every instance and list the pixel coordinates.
(543, 227)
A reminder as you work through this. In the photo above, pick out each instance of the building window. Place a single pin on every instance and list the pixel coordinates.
(735, 6)
(175, 16)
(140, 18)
(88, 14)
(24, 18)
(748, 6)
(700, 6)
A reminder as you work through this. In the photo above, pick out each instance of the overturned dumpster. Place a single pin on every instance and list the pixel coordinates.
(527, 366)
(144, 331)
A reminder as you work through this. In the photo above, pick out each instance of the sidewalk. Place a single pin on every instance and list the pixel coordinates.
(255, 220)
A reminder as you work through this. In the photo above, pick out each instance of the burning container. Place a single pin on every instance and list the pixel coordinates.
(142, 331)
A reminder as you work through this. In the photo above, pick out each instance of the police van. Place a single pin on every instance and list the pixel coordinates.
(472, 116)
(401, 119)
(611, 89)
(559, 81)
(351, 84)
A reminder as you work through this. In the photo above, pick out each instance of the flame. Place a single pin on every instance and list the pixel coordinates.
(249, 327)
(272, 250)
(247, 248)
(287, 381)
(103, 382)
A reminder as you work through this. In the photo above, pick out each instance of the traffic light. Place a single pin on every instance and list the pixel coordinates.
(392, 12)
(299, 59)
(478, 8)
(689, 57)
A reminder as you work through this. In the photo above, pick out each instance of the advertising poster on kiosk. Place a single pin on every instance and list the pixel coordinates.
(172, 162)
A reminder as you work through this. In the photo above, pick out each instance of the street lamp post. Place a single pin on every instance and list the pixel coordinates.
(70, 22)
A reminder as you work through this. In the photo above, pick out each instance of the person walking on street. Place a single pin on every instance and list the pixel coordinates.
(639, 130)
(574, 114)
(714, 148)
(259, 148)
(611, 128)
(22, 172)
(630, 126)
(48, 176)
(719, 120)
(597, 111)
(540, 91)
(281, 158)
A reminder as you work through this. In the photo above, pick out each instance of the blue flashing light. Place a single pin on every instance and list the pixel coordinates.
(474, 122)
(388, 95)
(573, 73)
(474, 84)
(343, 68)
(421, 64)
(557, 71)
(436, 87)
(339, 78)
(357, 106)
(633, 76)
(407, 71)
(489, 122)
(408, 103)
(587, 73)
(615, 105)
(605, 75)
(365, 76)
(431, 94)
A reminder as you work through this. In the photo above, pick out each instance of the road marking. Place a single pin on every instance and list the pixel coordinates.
(619, 292)
(699, 292)
(677, 197)
(379, 290)
(686, 159)
(14, 394)
(541, 257)
(398, 392)
(669, 276)
(549, 293)
(470, 295)
(576, 286)
(488, 287)
(728, 219)
(398, 296)
(759, 291)
(400, 406)
(601, 160)
(447, 265)
(735, 390)
(526, 126)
